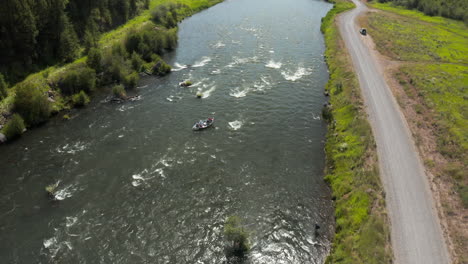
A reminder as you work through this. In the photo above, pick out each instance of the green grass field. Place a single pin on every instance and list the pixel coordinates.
(362, 234)
(435, 55)
(433, 52)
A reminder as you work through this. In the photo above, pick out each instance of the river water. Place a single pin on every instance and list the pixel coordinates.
(137, 185)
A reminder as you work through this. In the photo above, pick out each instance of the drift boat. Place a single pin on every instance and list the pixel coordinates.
(202, 124)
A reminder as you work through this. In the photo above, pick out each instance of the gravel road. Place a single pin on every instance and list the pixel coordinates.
(415, 228)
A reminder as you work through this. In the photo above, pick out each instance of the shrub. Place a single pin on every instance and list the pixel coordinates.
(161, 68)
(137, 62)
(237, 237)
(119, 91)
(14, 128)
(3, 88)
(131, 80)
(31, 101)
(80, 99)
(94, 60)
(81, 78)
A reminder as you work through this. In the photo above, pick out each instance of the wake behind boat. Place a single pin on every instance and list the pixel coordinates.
(202, 124)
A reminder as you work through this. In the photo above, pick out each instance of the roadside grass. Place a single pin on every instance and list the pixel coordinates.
(433, 52)
(362, 233)
(437, 68)
(410, 39)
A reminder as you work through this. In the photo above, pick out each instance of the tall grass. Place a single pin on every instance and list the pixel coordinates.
(361, 224)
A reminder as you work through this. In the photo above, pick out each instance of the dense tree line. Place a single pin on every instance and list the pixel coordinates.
(37, 33)
(455, 9)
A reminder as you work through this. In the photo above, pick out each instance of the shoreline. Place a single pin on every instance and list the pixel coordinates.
(362, 225)
(49, 81)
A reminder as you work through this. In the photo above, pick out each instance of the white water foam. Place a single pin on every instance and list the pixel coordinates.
(300, 72)
(178, 67)
(202, 62)
(72, 148)
(238, 93)
(238, 61)
(235, 125)
(71, 221)
(218, 45)
(217, 71)
(265, 81)
(274, 65)
(207, 93)
(65, 192)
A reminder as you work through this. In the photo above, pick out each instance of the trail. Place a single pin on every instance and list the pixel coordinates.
(415, 228)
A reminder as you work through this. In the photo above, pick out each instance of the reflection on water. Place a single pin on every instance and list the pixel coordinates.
(137, 185)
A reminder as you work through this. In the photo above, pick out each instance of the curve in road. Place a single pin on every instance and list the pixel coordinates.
(415, 228)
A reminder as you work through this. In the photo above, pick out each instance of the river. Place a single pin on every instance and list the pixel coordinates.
(137, 185)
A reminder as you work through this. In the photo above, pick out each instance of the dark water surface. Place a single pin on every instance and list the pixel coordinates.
(139, 186)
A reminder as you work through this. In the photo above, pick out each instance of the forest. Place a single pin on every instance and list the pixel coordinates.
(455, 9)
(37, 33)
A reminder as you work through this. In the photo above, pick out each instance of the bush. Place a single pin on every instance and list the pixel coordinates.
(3, 88)
(31, 101)
(14, 128)
(94, 60)
(80, 99)
(119, 91)
(137, 62)
(81, 78)
(237, 238)
(161, 68)
(131, 80)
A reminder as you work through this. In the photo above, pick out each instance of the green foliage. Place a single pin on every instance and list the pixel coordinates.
(361, 232)
(69, 45)
(166, 14)
(80, 99)
(94, 59)
(455, 9)
(40, 33)
(3, 88)
(31, 101)
(237, 238)
(137, 62)
(14, 128)
(78, 78)
(408, 38)
(131, 80)
(438, 79)
(119, 91)
(149, 40)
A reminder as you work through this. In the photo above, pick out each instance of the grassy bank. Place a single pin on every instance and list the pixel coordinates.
(116, 59)
(362, 234)
(432, 79)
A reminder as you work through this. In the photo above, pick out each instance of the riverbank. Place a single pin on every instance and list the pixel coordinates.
(427, 67)
(362, 233)
(116, 60)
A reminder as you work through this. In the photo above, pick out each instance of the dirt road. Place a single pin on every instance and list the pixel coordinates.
(415, 228)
